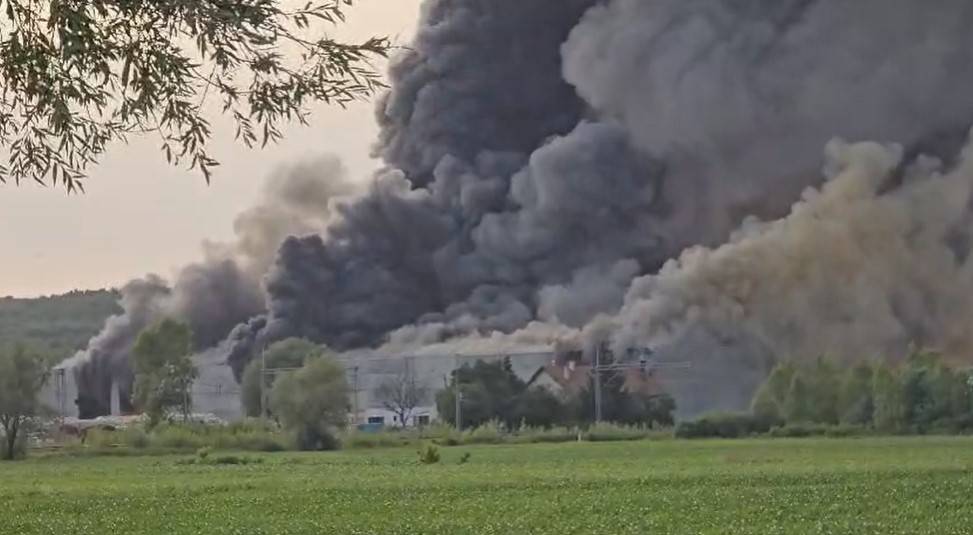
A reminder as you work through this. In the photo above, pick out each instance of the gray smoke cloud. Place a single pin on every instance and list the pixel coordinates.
(853, 270)
(545, 160)
(740, 97)
(529, 186)
(217, 293)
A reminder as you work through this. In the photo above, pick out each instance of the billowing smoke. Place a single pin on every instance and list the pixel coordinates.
(854, 270)
(545, 159)
(543, 154)
(219, 292)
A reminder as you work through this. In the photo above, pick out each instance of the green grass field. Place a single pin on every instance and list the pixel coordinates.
(881, 486)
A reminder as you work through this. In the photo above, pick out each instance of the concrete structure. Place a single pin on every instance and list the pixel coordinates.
(60, 393)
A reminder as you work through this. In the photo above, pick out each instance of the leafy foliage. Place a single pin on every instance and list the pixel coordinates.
(285, 354)
(623, 407)
(492, 392)
(722, 425)
(78, 76)
(22, 375)
(164, 370)
(429, 454)
(922, 394)
(312, 402)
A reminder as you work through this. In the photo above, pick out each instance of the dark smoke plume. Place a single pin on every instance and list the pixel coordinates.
(512, 196)
(546, 158)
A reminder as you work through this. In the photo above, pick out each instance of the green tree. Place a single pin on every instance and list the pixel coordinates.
(79, 76)
(890, 410)
(621, 406)
(164, 371)
(22, 375)
(768, 403)
(824, 382)
(856, 405)
(933, 393)
(539, 407)
(289, 353)
(312, 402)
(490, 391)
(799, 406)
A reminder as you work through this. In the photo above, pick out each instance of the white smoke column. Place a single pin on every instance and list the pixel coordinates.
(853, 271)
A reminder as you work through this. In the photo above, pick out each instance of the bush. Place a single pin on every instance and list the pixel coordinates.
(136, 438)
(609, 432)
(488, 433)
(722, 425)
(798, 431)
(360, 440)
(539, 435)
(314, 439)
(176, 437)
(817, 430)
(429, 454)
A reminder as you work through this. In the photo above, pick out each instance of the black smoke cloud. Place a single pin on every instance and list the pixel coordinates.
(544, 159)
(533, 146)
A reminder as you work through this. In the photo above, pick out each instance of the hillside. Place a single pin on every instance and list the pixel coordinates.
(58, 324)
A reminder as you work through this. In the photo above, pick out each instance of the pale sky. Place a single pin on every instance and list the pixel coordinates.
(140, 215)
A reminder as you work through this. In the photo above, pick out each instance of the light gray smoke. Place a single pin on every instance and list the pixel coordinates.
(852, 271)
(222, 290)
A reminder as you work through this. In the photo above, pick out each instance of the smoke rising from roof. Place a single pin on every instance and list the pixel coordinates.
(545, 159)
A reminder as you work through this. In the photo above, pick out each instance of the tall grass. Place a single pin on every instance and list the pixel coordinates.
(496, 433)
(243, 436)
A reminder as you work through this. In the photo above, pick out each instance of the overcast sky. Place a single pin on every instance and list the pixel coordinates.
(140, 215)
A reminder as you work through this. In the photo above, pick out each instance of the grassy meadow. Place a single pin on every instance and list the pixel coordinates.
(868, 485)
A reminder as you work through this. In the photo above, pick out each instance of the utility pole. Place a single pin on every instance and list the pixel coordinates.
(263, 379)
(459, 408)
(458, 397)
(354, 372)
(597, 378)
(646, 363)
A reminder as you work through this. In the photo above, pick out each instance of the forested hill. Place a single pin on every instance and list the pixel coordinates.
(60, 324)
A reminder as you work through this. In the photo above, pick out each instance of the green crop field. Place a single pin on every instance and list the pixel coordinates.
(881, 486)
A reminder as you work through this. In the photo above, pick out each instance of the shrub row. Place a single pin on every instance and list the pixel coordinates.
(244, 436)
(495, 433)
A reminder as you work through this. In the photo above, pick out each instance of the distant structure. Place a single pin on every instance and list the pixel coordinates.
(216, 392)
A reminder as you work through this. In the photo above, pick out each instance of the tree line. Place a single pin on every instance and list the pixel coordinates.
(492, 392)
(922, 394)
